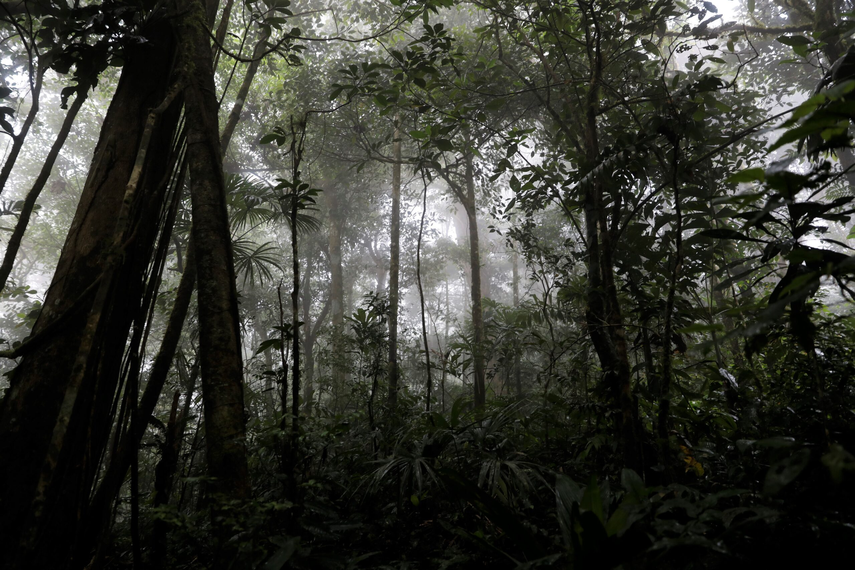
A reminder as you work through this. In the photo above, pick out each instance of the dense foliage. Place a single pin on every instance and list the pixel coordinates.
(484, 284)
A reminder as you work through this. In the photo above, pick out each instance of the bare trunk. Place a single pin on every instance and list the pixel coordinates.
(219, 332)
(336, 287)
(429, 386)
(243, 91)
(475, 289)
(394, 268)
(516, 287)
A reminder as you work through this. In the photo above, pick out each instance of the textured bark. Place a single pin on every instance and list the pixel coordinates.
(219, 333)
(394, 269)
(30, 417)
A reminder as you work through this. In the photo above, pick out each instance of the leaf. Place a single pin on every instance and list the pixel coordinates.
(496, 104)
(592, 500)
(725, 233)
(267, 344)
(793, 41)
(747, 175)
(444, 145)
(838, 460)
(710, 7)
(783, 472)
(498, 513)
(283, 555)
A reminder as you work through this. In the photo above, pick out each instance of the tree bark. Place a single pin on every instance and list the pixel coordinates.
(31, 409)
(219, 333)
(394, 267)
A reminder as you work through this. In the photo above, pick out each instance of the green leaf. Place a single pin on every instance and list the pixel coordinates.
(592, 500)
(496, 104)
(838, 460)
(283, 555)
(444, 145)
(793, 41)
(271, 343)
(783, 472)
(747, 175)
(725, 233)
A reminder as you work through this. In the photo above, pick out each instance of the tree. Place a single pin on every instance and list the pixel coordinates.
(79, 338)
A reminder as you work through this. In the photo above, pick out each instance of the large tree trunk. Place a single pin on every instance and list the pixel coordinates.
(219, 328)
(44, 486)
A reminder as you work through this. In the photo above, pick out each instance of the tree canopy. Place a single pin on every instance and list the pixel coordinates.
(426, 284)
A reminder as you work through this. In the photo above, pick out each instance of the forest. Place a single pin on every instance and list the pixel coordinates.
(417, 284)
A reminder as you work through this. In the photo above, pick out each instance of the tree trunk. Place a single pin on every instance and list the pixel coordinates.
(475, 288)
(429, 383)
(219, 333)
(31, 409)
(603, 316)
(336, 287)
(516, 290)
(114, 476)
(394, 268)
(243, 91)
(168, 466)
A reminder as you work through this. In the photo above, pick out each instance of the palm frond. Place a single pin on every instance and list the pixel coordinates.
(250, 202)
(256, 262)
